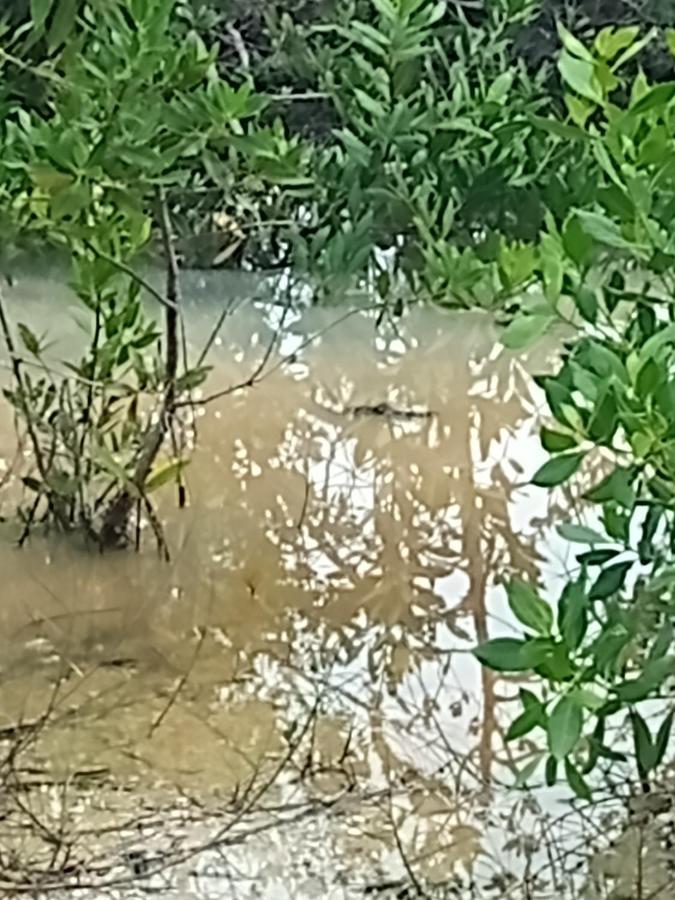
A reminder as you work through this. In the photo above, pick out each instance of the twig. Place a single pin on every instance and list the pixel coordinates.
(257, 376)
(401, 850)
(179, 686)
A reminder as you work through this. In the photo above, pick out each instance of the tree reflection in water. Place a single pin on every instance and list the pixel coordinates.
(329, 563)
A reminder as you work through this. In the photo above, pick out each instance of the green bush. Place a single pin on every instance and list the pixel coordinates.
(606, 646)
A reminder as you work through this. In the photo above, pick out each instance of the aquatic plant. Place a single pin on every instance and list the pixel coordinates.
(130, 111)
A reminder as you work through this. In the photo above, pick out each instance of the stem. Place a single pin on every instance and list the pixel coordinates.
(43, 468)
(116, 517)
(18, 377)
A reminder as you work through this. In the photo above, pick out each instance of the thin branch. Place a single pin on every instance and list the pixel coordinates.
(257, 376)
(167, 302)
(182, 681)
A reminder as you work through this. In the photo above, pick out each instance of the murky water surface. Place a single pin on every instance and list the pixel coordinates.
(289, 708)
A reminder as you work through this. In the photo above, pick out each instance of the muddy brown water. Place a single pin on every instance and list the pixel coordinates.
(289, 708)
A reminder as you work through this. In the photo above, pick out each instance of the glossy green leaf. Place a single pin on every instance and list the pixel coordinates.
(604, 421)
(662, 740)
(587, 304)
(564, 727)
(657, 97)
(525, 329)
(558, 470)
(63, 22)
(511, 654)
(573, 614)
(581, 534)
(528, 607)
(597, 557)
(576, 781)
(610, 580)
(645, 751)
(556, 441)
(579, 75)
(572, 44)
(617, 486)
(531, 718)
(610, 40)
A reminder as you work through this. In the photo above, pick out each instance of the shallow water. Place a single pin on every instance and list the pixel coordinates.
(289, 708)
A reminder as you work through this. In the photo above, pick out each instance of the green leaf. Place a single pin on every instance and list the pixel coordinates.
(579, 74)
(604, 421)
(556, 441)
(551, 772)
(581, 534)
(597, 557)
(551, 258)
(192, 379)
(662, 641)
(386, 9)
(645, 544)
(610, 40)
(533, 717)
(557, 470)
(573, 44)
(28, 339)
(559, 129)
(608, 647)
(617, 486)
(604, 230)
(632, 50)
(663, 739)
(528, 607)
(651, 346)
(164, 473)
(564, 727)
(645, 751)
(374, 107)
(670, 40)
(511, 654)
(500, 87)
(528, 770)
(576, 781)
(590, 700)
(529, 700)
(610, 580)
(652, 678)
(525, 329)
(39, 10)
(573, 614)
(558, 397)
(62, 23)
(659, 96)
(587, 304)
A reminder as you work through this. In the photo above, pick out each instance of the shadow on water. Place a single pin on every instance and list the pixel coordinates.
(293, 695)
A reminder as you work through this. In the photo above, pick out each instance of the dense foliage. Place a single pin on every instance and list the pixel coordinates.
(605, 649)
